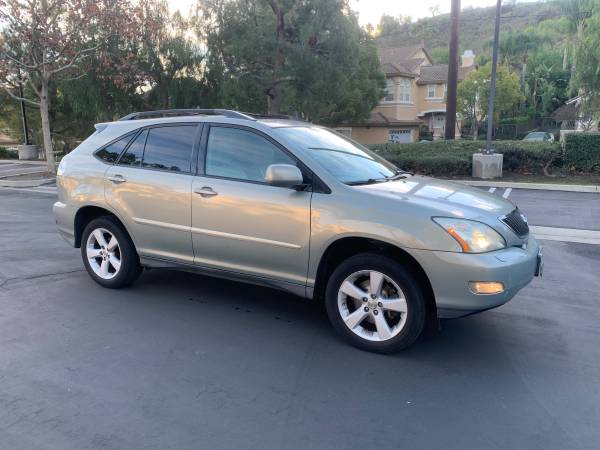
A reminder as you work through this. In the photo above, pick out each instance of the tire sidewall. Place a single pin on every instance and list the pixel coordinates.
(129, 257)
(416, 311)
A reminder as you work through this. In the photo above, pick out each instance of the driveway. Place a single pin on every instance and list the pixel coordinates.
(181, 361)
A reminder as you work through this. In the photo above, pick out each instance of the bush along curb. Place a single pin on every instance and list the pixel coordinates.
(454, 158)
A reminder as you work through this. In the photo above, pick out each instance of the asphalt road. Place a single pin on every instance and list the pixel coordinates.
(182, 361)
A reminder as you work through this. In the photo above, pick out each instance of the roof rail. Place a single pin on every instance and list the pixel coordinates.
(258, 116)
(187, 112)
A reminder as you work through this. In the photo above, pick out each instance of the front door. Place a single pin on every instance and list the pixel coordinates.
(150, 187)
(239, 222)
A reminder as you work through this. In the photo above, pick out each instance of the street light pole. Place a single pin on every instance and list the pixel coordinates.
(490, 122)
(450, 131)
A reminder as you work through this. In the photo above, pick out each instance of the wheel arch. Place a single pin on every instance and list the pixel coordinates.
(348, 246)
(86, 213)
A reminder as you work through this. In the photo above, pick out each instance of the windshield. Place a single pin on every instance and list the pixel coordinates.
(348, 161)
(535, 136)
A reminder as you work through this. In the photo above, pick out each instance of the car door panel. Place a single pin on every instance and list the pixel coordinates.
(151, 186)
(251, 228)
(240, 223)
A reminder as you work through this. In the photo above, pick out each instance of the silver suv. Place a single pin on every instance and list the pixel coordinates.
(294, 206)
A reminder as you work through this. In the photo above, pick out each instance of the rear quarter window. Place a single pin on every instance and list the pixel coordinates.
(111, 152)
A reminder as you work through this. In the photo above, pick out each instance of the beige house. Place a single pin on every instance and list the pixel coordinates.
(415, 96)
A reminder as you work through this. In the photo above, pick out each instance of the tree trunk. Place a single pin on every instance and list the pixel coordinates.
(45, 114)
(565, 57)
(275, 91)
(475, 126)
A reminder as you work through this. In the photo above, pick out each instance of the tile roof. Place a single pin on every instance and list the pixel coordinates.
(438, 73)
(377, 119)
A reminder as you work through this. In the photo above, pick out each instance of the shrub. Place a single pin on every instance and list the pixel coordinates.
(8, 154)
(582, 152)
(453, 158)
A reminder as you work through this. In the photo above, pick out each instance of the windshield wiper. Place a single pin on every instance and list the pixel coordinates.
(369, 181)
(399, 175)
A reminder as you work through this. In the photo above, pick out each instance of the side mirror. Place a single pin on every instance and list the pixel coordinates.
(283, 175)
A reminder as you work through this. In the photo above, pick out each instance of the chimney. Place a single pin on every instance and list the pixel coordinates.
(468, 58)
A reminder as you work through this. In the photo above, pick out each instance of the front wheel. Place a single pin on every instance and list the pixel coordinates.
(375, 303)
(108, 253)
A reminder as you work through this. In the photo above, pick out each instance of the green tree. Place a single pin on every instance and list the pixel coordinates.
(47, 42)
(588, 74)
(576, 12)
(309, 58)
(473, 94)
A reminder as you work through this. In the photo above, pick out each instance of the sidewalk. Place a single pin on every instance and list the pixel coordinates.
(538, 186)
(14, 172)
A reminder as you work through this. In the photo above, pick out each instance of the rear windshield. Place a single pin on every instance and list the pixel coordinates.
(348, 161)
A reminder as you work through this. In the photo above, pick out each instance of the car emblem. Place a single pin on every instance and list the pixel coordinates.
(523, 217)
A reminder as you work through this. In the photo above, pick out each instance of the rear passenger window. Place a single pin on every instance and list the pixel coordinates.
(111, 152)
(170, 148)
(133, 155)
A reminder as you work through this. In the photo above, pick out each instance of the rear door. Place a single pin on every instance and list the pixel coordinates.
(241, 223)
(150, 188)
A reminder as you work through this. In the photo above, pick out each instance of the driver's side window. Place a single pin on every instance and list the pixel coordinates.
(241, 154)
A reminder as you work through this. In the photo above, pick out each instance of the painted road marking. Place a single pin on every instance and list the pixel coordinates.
(507, 192)
(566, 234)
(491, 190)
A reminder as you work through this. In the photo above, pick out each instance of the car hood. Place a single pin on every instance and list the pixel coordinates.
(442, 197)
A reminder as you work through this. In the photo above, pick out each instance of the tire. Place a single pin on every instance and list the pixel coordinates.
(124, 255)
(399, 304)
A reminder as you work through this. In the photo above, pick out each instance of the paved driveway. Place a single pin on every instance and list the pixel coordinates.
(182, 361)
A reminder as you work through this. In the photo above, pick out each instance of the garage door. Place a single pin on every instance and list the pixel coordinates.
(400, 136)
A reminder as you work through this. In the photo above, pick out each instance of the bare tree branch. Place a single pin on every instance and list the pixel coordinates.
(20, 99)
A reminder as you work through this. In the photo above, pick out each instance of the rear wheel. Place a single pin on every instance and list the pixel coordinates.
(108, 253)
(375, 303)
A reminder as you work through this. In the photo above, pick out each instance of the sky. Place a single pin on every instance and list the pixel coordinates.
(369, 11)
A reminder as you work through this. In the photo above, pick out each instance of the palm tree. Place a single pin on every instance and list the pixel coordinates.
(576, 12)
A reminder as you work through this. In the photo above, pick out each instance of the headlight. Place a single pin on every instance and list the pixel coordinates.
(472, 236)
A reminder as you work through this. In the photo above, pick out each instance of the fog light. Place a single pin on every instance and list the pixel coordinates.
(486, 287)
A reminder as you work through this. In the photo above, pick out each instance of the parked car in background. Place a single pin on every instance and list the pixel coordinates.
(293, 206)
(539, 136)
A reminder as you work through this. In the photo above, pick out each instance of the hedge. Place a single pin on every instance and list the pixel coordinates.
(8, 154)
(453, 158)
(582, 152)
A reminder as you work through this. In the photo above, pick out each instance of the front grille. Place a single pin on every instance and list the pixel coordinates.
(516, 222)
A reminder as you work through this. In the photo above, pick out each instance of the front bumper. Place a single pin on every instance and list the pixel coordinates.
(450, 273)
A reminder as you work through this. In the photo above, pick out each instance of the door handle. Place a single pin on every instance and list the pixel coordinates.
(205, 191)
(117, 179)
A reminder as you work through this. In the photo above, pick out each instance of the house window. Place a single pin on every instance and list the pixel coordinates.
(390, 89)
(431, 91)
(405, 88)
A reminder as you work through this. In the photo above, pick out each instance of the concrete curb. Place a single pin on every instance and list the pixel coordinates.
(26, 183)
(22, 161)
(538, 186)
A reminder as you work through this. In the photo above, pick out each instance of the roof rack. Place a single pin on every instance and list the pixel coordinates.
(187, 112)
(258, 116)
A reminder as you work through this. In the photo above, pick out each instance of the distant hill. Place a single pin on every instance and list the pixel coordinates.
(476, 27)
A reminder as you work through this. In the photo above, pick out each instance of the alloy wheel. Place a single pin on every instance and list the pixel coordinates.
(103, 253)
(372, 305)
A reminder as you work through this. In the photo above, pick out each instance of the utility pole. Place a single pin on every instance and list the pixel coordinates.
(450, 130)
(490, 122)
(23, 113)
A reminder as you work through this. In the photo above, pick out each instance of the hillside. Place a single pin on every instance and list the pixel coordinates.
(476, 27)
